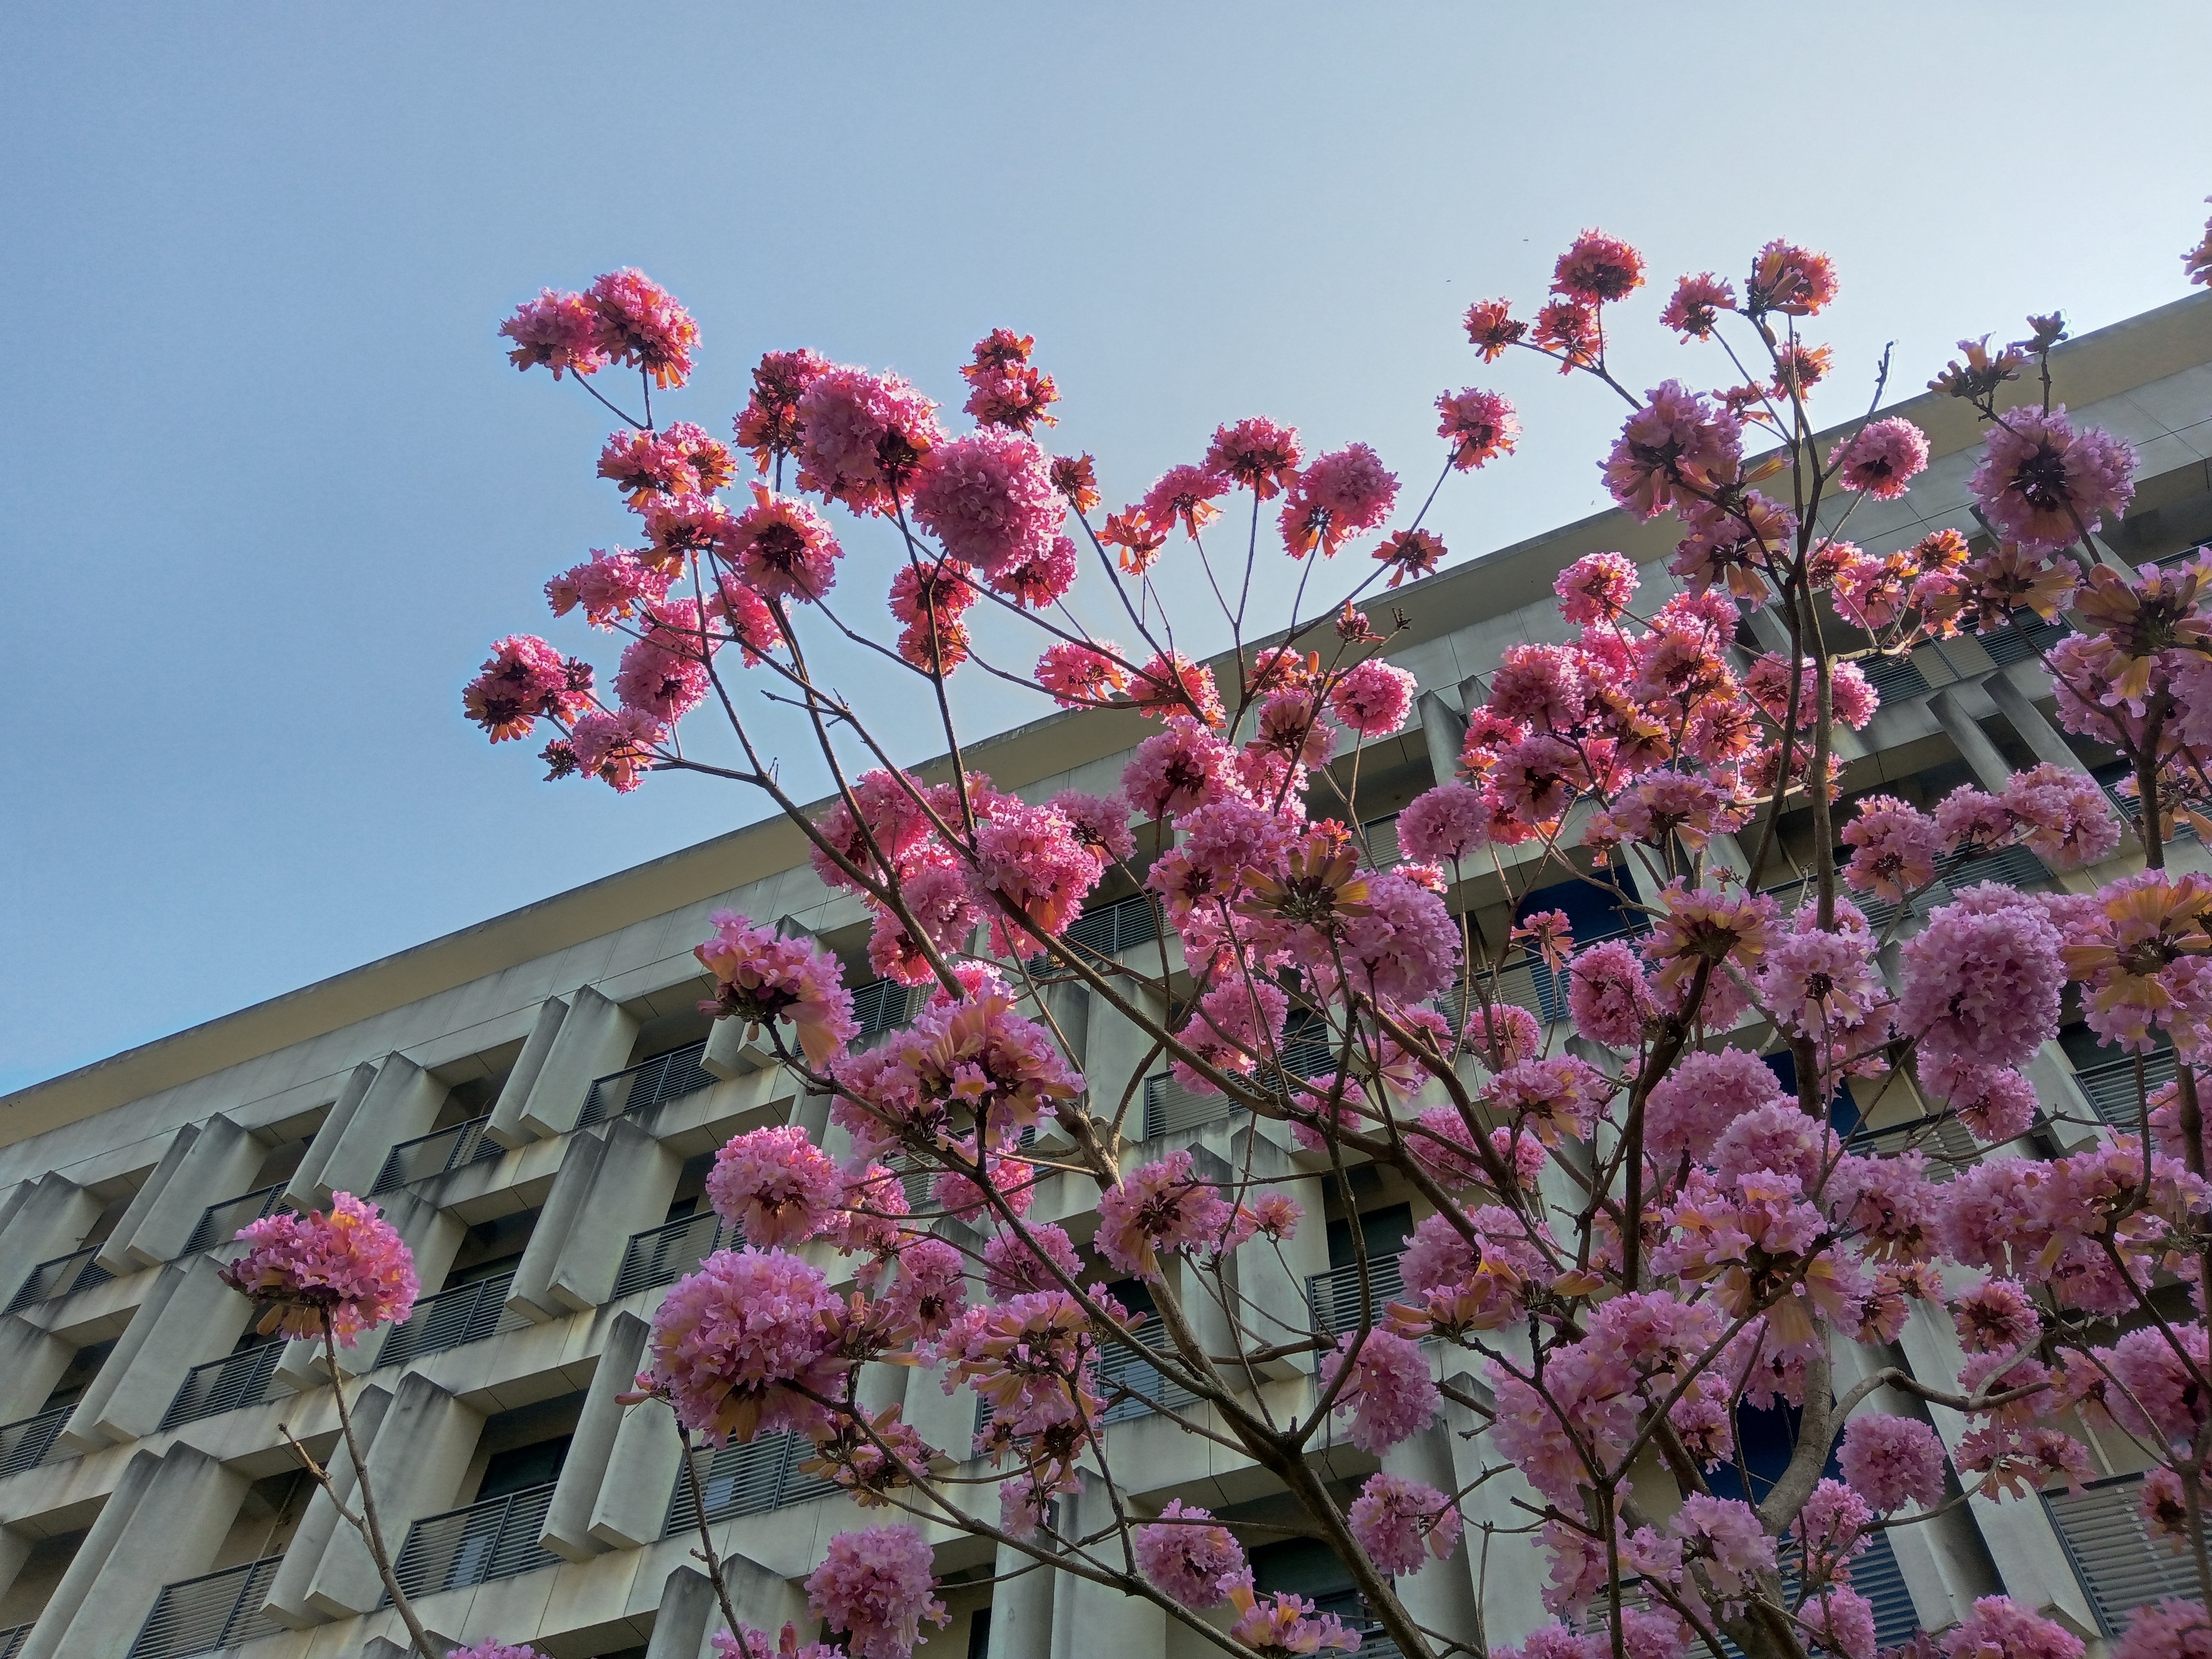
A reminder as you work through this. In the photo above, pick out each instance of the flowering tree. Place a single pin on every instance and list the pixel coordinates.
(1631, 1237)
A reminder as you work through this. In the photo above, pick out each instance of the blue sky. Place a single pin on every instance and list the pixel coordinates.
(268, 487)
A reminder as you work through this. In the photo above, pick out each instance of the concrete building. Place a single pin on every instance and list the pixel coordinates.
(533, 1100)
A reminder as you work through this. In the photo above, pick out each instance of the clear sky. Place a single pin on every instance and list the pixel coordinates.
(268, 487)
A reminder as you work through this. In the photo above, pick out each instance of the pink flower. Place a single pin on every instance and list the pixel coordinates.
(560, 330)
(1014, 1267)
(523, 679)
(931, 1288)
(762, 977)
(1841, 1620)
(734, 1342)
(1030, 857)
(759, 1645)
(2065, 815)
(1100, 823)
(1607, 995)
(1170, 684)
(1175, 771)
(864, 436)
(769, 424)
(346, 1265)
(1404, 947)
(1374, 698)
(1725, 1534)
(1891, 1461)
(1792, 280)
(1480, 426)
(1996, 1103)
(1076, 676)
(875, 1587)
(1490, 328)
(1597, 268)
(1388, 1393)
(776, 1184)
(1258, 454)
(1165, 1205)
(1881, 458)
(1981, 979)
(2170, 1630)
(989, 499)
(1694, 309)
(1192, 1564)
(2042, 484)
(1595, 588)
(640, 324)
(1896, 848)
(617, 749)
(1695, 1102)
(1447, 822)
(783, 548)
(1817, 984)
(1673, 453)
(607, 586)
(664, 672)
(1004, 390)
(1185, 495)
(2001, 1630)
(1400, 1523)
(1041, 579)
(1284, 1623)
(1833, 1523)
(1342, 494)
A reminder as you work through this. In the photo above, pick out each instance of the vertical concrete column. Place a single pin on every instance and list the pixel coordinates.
(1270, 1278)
(304, 1191)
(506, 1125)
(946, 1421)
(31, 1362)
(221, 1165)
(422, 1449)
(115, 1255)
(567, 1530)
(1441, 1594)
(1982, 757)
(401, 1104)
(531, 1292)
(630, 1191)
(1088, 1619)
(1508, 1586)
(435, 1237)
(1445, 731)
(14, 1550)
(2022, 1543)
(688, 1619)
(168, 1528)
(1115, 1048)
(2045, 740)
(288, 1592)
(199, 1319)
(1941, 1561)
(51, 1221)
(1021, 1607)
(631, 1506)
(594, 1039)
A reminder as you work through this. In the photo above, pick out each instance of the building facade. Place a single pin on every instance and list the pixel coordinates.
(534, 1102)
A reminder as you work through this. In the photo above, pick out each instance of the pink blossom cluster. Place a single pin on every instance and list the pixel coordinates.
(345, 1269)
(740, 1344)
(1188, 1558)
(761, 977)
(776, 1184)
(877, 1586)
